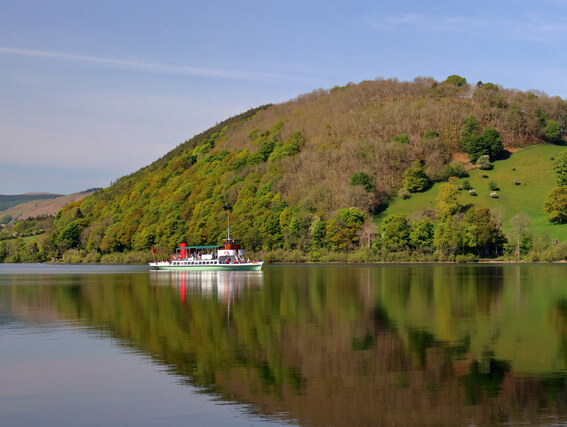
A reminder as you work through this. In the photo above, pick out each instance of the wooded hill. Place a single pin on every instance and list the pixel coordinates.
(308, 174)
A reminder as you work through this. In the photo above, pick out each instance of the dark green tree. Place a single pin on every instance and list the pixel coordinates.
(69, 236)
(470, 126)
(362, 179)
(489, 143)
(266, 149)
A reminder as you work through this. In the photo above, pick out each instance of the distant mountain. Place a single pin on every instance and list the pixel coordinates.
(7, 201)
(33, 205)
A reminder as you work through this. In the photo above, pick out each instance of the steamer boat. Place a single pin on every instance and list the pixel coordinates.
(226, 257)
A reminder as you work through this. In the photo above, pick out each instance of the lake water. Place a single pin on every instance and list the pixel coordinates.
(290, 345)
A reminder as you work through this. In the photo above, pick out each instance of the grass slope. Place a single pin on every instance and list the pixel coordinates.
(531, 167)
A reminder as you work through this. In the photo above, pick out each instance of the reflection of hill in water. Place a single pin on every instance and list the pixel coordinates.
(350, 346)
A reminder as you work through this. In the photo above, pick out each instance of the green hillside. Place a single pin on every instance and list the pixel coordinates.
(525, 179)
(303, 180)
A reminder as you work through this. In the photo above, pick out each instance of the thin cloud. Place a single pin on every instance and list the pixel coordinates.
(531, 27)
(150, 67)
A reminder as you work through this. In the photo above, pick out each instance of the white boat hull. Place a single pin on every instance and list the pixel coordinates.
(181, 266)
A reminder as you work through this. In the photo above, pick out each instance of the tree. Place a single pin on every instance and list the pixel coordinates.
(470, 126)
(456, 80)
(395, 232)
(493, 142)
(415, 178)
(447, 200)
(69, 235)
(316, 231)
(560, 168)
(341, 231)
(555, 205)
(421, 234)
(483, 233)
(520, 227)
(552, 131)
(447, 235)
(489, 143)
(362, 179)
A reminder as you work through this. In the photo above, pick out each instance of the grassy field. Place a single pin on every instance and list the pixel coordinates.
(532, 168)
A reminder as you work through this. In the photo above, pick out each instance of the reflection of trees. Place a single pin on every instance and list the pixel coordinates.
(353, 346)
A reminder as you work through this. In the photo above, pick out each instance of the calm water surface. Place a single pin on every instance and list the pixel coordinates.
(291, 345)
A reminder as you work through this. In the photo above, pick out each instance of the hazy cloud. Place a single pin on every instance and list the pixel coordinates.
(531, 27)
(150, 67)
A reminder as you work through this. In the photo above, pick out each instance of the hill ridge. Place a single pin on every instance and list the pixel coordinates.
(306, 175)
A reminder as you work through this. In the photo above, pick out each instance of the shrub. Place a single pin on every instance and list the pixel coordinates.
(456, 168)
(404, 194)
(483, 162)
(461, 259)
(466, 185)
(403, 138)
(492, 186)
(362, 255)
(430, 134)
(93, 258)
(362, 179)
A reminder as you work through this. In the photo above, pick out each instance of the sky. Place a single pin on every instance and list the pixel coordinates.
(91, 90)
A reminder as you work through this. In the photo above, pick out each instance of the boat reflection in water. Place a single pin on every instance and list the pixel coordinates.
(225, 285)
